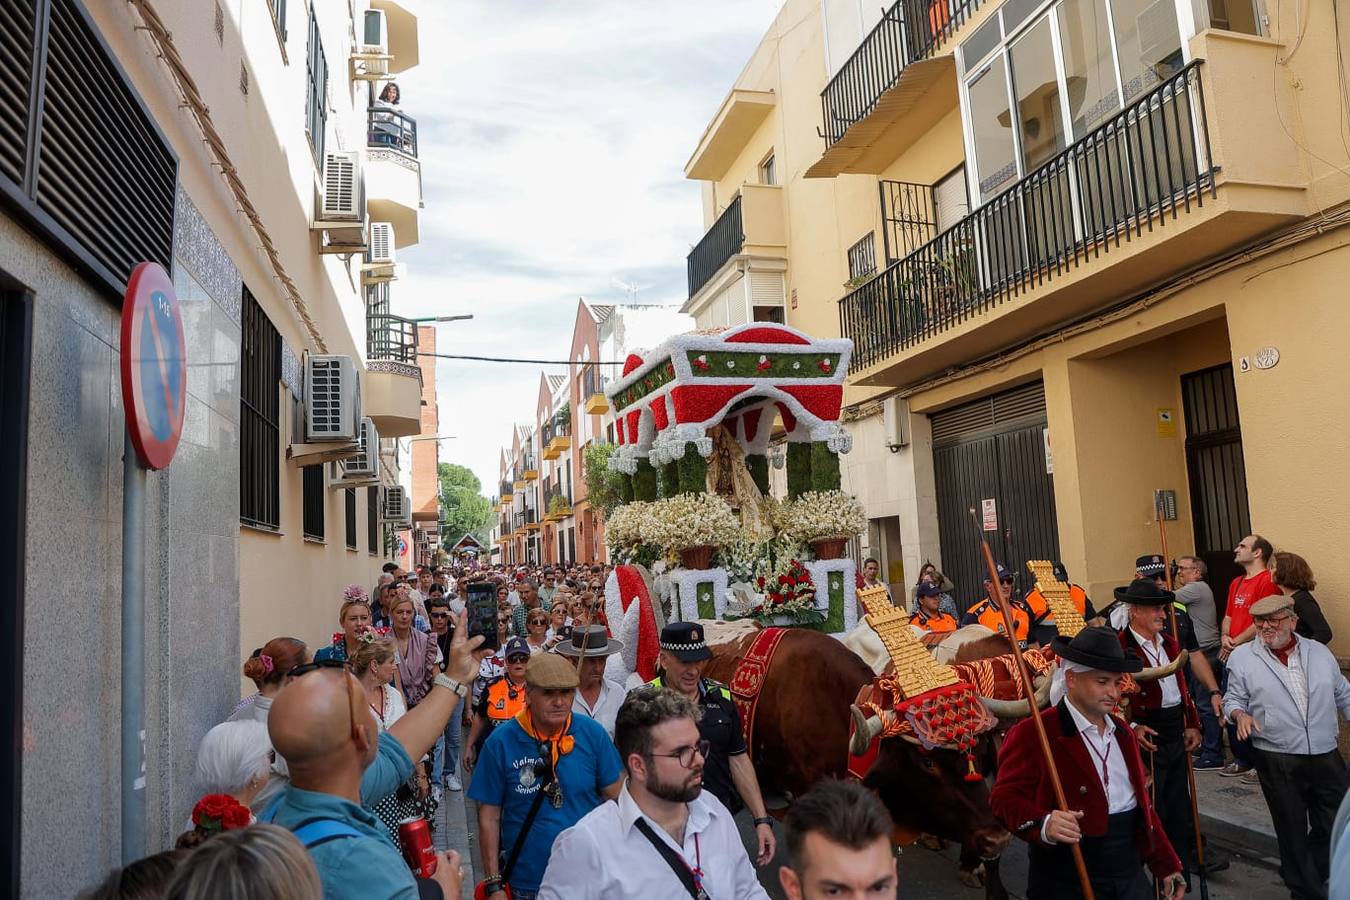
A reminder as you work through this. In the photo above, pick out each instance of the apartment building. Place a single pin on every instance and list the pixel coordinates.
(425, 457)
(1086, 250)
(518, 500)
(242, 148)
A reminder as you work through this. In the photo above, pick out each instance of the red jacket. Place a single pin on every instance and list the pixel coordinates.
(1149, 697)
(1022, 796)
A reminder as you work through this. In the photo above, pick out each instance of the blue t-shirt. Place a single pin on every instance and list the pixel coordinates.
(356, 868)
(505, 777)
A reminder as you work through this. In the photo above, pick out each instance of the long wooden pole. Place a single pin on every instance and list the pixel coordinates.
(1190, 764)
(1029, 691)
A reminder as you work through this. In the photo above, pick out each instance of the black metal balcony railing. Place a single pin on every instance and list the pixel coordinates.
(391, 338)
(909, 31)
(506, 490)
(723, 241)
(522, 519)
(553, 429)
(592, 382)
(557, 496)
(1148, 160)
(908, 217)
(389, 129)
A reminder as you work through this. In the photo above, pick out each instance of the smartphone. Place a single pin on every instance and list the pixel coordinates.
(481, 608)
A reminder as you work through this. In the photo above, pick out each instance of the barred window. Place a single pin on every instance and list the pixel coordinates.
(373, 520)
(862, 257)
(313, 502)
(316, 110)
(351, 517)
(259, 418)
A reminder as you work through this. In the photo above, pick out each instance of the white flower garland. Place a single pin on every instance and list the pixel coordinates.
(820, 570)
(687, 582)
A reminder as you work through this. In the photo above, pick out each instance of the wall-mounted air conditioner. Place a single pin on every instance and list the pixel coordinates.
(370, 56)
(332, 399)
(397, 510)
(381, 244)
(367, 463)
(343, 197)
(895, 420)
(375, 32)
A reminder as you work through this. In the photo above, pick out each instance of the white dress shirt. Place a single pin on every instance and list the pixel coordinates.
(1109, 762)
(1155, 655)
(606, 708)
(606, 857)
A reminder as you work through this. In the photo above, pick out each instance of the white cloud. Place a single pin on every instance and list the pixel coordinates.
(553, 137)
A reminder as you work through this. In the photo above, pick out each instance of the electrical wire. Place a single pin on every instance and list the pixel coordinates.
(502, 359)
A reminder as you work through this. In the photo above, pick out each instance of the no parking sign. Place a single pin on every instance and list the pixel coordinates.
(154, 365)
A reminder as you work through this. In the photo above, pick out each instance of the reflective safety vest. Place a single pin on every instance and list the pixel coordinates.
(938, 623)
(708, 687)
(1035, 601)
(986, 613)
(504, 700)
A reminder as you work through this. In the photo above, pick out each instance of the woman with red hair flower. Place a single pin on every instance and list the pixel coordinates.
(234, 775)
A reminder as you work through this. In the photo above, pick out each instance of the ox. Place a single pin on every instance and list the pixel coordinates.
(801, 735)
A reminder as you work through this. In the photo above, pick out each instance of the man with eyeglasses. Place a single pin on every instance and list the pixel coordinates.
(987, 613)
(341, 764)
(666, 836)
(1284, 694)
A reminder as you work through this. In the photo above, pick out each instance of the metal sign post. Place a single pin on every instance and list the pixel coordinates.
(154, 394)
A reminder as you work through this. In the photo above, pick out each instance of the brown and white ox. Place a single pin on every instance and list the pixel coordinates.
(801, 735)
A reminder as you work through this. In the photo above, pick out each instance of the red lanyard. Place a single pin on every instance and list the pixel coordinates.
(1104, 759)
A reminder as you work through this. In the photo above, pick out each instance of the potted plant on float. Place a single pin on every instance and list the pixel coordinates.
(827, 520)
(694, 526)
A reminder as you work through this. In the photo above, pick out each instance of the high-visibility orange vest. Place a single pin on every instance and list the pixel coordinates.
(504, 700)
(987, 613)
(938, 623)
(1039, 608)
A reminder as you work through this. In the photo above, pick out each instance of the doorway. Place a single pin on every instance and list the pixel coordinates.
(1215, 470)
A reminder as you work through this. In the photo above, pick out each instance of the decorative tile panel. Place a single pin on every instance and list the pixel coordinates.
(196, 247)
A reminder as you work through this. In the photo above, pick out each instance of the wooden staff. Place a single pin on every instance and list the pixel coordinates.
(1030, 693)
(1190, 764)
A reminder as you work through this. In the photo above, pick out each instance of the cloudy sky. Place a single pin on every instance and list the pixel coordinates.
(553, 137)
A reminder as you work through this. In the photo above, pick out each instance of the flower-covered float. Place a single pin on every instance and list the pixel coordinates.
(695, 420)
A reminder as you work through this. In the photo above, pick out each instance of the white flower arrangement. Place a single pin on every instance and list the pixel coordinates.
(691, 520)
(821, 514)
(624, 526)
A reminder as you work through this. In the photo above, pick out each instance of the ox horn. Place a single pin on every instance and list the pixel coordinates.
(865, 728)
(1155, 672)
(1016, 709)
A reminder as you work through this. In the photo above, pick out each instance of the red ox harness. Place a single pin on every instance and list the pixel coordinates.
(996, 677)
(748, 679)
(951, 715)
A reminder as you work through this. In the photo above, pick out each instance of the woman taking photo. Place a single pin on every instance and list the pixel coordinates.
(416, 652)
(373, 665)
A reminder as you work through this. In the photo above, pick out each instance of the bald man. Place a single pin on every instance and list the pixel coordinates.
(341, 765)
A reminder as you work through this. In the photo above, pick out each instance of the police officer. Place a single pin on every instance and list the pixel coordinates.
(987, 613)
(727, 770)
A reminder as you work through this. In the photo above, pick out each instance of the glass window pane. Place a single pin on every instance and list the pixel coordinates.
(1038, 103)
(1089, 70)
(1148, 42)
(977, 46)
(1015, 12)
(991, 125)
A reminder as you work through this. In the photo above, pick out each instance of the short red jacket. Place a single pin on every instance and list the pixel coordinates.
(1149, 697)
(1022, 796)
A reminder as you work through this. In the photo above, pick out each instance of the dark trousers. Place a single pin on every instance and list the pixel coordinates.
(1211, 730)
(1113, 864)
(1302, 793)
(1171, 787)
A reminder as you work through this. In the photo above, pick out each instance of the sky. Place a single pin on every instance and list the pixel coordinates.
(553, 136)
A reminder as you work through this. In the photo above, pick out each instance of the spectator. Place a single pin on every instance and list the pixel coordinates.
(867, 578)
(445, 756)
(544, 751)
(581, 614)
(416, 652)
(597, 696)
(536, 630)
(145, 879)
(559, 622)
(1253, 553)
(500, 701)
(665, 832)
(267, 668)
(261, 862)
(236, 758)
(354, 619)
(373, 665)
(338, 759)
(839, 844)
(1284, 694)
(528, 592)
(382, 612)
(1195, 595)
(549, 587)
(1291, 574)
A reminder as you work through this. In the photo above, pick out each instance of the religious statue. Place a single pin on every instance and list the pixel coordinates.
(729, 478)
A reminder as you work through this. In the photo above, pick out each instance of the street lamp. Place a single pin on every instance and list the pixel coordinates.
(425, 319)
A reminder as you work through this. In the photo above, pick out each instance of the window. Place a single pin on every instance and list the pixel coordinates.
(373, 520)
(278, 8)
(259, 418)
(767, 172)
(316, 110)
(313, 502)
(862, 257)
(351, 517)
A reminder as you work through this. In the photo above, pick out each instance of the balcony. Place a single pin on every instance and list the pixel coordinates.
(593, 391)
(525, 522)
(741, 113)
(557, 504)
(393, 389)
(402, 27)
(554, 438)
(750, 230)
(1194, 168)
(897, 73)
(530, 471)
(393, 173)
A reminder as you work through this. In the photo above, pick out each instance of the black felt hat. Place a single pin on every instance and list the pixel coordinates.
(1144, 592)
(1097, 648)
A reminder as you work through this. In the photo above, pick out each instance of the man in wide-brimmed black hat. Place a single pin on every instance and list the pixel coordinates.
(1110, 815)
(597, 696)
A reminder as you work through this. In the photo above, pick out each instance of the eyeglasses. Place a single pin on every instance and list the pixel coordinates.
(1271, 622)
(686, 754)
(440, 615)
(515, 658)
(304, 669)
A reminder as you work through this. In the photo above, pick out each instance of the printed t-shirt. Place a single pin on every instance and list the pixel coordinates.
(1242, 593)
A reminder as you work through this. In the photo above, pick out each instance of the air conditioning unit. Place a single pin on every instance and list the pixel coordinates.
(367, 463)
(895, 419)
(381, 244)
(332, 399)
(397, 509)
(343, 188)
(370, 56)
(375, 32)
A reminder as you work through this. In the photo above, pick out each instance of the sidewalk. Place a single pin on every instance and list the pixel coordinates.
(1235, 815)
(452, 833)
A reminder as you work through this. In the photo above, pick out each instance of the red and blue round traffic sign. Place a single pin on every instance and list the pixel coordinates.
(154, 365)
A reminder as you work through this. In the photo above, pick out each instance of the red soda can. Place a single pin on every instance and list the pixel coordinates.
(417, 847)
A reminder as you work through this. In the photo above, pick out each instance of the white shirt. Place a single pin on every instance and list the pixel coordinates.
(1155, 655)
(606, 708)
(1107, 760)
(605, 856)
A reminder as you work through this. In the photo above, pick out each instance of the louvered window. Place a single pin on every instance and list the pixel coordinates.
(316, 111)
(1021, 403)
(100, 182)
(259, 418)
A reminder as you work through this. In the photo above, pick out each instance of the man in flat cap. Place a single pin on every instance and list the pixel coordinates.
(1284, 693)
(727, 770)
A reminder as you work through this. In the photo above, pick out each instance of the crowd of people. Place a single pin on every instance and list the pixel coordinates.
(305, 786)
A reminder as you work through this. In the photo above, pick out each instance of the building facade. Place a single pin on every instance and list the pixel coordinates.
(205, 139)
(1086, 250)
